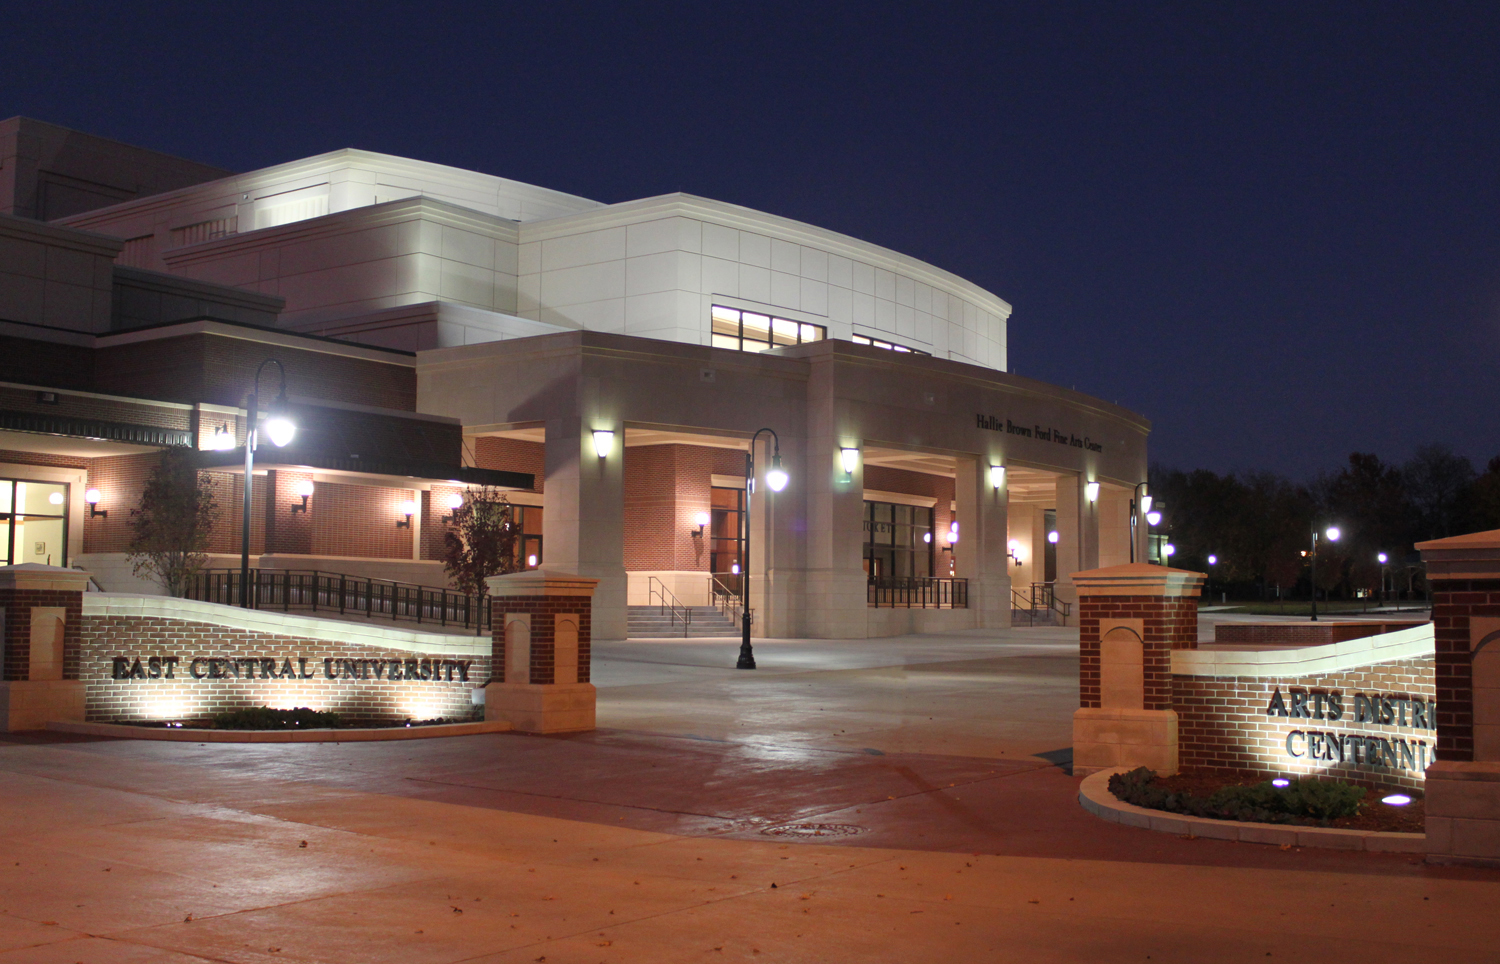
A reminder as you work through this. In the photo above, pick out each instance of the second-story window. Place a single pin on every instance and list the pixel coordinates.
(752, 331)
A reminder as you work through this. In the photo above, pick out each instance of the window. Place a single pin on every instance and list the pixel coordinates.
(34, 522)
(888, 346)
(898, 542)
(529, 544)
(752, 331)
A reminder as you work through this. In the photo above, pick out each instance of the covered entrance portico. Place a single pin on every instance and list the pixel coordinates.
(635, 441)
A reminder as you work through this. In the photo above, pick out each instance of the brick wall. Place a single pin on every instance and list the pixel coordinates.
(1301, 634)
(32, 362)
(665, 487)
(16, 606)
(1169, 623)
(44, 458)
(1453, 602)
(512, 455)
(543, 610)
(286, 531)
(103, 409)
(355, 691)
(360, 520)
(1223, 722)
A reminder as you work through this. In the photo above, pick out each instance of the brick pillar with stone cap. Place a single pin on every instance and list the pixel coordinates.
(40, 611)
(542, 631)
(1130, 619)
(1463, 785)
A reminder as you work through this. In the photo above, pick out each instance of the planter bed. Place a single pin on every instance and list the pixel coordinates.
(1374, 815)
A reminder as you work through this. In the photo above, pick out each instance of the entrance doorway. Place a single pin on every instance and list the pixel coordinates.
(33, 522)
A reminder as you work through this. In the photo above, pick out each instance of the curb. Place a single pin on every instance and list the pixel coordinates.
(1095, 797)
(126, 732)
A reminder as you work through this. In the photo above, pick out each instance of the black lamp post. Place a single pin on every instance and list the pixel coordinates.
(1333, 536)
(776, 478)
(1140, 504)
(281, 429)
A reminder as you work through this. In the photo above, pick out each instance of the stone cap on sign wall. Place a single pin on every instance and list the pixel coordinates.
(1474, 556)
(541, 582)
(1413, 642)
(1138, 579)
(34, 575)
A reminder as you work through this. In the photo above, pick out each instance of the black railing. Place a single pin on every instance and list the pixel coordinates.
(919, 593)
(1040, 598)
(332, 592)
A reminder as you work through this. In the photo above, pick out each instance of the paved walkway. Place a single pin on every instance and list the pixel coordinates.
(648, 839)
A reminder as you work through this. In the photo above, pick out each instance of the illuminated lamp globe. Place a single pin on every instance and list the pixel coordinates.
(1052, 537)
(702, 519)
(408, 508)
(91, 496)
(280, 430)
(1333, 533)
(531, 560)
(1013, 545)
(1213, 560)
(1168, 549)
(1153, 518)
(776, 478)
(305, 487)
(1381, 558)
(456, 501)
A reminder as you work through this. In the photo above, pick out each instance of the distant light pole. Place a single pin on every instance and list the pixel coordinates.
(1333, 536)
(1140, 502)
(776, 478)
(1153, 519)
(281, 429)
(1382, 558)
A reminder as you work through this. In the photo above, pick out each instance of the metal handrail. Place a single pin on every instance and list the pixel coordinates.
(316, 590)
(725, 598)
(919, 592)
(656, 589)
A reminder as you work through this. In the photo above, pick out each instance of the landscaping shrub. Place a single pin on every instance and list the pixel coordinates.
(1302, 801)
(265, 718)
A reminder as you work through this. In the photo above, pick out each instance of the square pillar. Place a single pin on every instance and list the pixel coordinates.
(1077, 534)
(541, 634)
(1130, 619)
(41, 608)
(583, 528)
(983, 531)
(837, 594)
(1463, 785)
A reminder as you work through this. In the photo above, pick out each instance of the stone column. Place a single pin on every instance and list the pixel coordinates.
(1463, 785)
(541, 637)
(983, 531)
(836, 594)
(40, 611)
(1077, 534)
(1130, 619)
(583, 529)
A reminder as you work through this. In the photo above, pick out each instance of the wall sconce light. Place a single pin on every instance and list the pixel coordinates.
(997, 475)
(1052, 537)
(408, 509)
(850, 460)
(222, 440)
(1015, 551)
(304, 489)
(1091, 491)
(734, 568)
(92, 498)
(701, 519)
(455, 502)
(604, 442)
(953, 532)
(926, 537)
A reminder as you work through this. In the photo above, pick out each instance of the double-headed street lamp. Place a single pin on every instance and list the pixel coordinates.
(776, 478)
(280, 429)
(1333, 536)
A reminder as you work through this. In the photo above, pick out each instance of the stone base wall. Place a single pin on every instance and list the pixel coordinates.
(179, 669)
(1223, 722)
(1303, 634)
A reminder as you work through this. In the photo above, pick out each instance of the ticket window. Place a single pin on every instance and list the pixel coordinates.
(34, 522)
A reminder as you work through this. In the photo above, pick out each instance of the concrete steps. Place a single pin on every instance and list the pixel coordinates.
(646, 622)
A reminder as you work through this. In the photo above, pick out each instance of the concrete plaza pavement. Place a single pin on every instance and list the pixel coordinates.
(667, 835)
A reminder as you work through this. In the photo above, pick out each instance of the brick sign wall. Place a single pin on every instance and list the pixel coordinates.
(139, 667)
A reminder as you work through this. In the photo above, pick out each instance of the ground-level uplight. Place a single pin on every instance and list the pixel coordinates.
(1281, 782)
(1396, 800)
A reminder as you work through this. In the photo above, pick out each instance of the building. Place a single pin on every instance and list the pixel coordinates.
(606, 364)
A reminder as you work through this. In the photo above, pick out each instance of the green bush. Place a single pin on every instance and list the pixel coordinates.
(265, 718)
(1302, 801)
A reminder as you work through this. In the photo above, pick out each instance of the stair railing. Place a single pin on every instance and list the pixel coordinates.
(657, 590)
(727, 599)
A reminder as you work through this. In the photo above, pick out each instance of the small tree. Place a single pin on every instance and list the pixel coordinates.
(171, 528)
(481, 541)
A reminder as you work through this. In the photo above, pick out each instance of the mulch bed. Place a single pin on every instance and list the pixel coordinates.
(342, 725)
(1373, 815)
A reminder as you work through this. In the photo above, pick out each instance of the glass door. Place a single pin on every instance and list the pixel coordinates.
(34, 522)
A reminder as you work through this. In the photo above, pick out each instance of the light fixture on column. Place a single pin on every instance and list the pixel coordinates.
(702, 519)
(1052, 537)
(222, 440)
(92, 498)
(455, 502)
(604, 442)
(850, 459)
(953, 532)
(408, 509)
(997, 475)
(1014, 552)
(305, 490)
(1091, 491)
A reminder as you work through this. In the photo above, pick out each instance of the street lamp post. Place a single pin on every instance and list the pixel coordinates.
(1153, 518)
(281, 429)
(1333, 536)
(776, 478)
(1382, 558)
(1140, 503)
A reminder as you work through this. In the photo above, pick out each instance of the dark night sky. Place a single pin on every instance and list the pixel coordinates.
(1272, 229)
